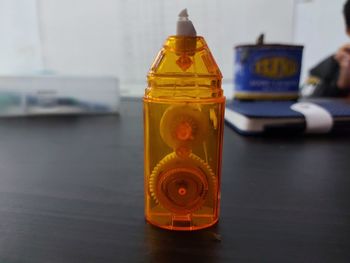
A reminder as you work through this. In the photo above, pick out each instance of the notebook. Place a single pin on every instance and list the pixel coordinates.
(306, 116)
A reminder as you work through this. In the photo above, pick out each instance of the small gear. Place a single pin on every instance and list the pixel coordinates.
(183, 126)
(181, 185)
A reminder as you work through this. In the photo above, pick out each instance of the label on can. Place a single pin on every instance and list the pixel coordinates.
(267, 69)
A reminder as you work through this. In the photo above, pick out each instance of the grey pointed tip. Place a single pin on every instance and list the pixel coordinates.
(183, 13)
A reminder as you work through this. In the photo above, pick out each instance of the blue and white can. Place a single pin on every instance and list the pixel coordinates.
(269, 71)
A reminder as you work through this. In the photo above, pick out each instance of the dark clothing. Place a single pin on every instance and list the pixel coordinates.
(324, 78)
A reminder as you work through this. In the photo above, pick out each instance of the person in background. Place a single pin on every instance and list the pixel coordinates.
(331, 77)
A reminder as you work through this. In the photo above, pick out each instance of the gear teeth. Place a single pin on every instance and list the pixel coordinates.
(206, 165)
(172, 156)
(175, 115)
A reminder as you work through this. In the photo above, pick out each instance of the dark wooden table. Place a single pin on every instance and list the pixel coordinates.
(71, 190)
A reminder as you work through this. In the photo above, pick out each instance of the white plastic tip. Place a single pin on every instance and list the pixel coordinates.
(183, 14)
(184, 25)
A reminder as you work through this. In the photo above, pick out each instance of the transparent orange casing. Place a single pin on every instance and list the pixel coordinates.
(183, 131)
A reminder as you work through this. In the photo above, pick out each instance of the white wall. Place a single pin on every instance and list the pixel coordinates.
(20, 48)
(320, 26)
(121, 38)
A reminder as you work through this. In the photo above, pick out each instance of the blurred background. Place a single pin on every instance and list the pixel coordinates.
(120, 38)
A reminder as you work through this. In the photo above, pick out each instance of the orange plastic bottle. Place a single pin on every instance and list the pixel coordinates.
(183, 131)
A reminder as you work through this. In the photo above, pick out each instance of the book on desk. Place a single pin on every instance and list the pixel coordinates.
(315, 116)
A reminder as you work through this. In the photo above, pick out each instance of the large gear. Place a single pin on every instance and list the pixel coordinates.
(181, 185)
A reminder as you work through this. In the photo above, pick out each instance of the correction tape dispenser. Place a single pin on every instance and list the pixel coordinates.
(183, 131)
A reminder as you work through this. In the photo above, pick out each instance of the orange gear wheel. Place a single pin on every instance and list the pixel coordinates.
(183, 126)
(181, 185)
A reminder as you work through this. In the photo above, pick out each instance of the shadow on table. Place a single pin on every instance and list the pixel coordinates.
(177, 246)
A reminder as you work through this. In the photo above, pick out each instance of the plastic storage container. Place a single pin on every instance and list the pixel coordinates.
(58, 95)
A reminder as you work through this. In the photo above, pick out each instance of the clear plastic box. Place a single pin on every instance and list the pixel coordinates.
(58, 95)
